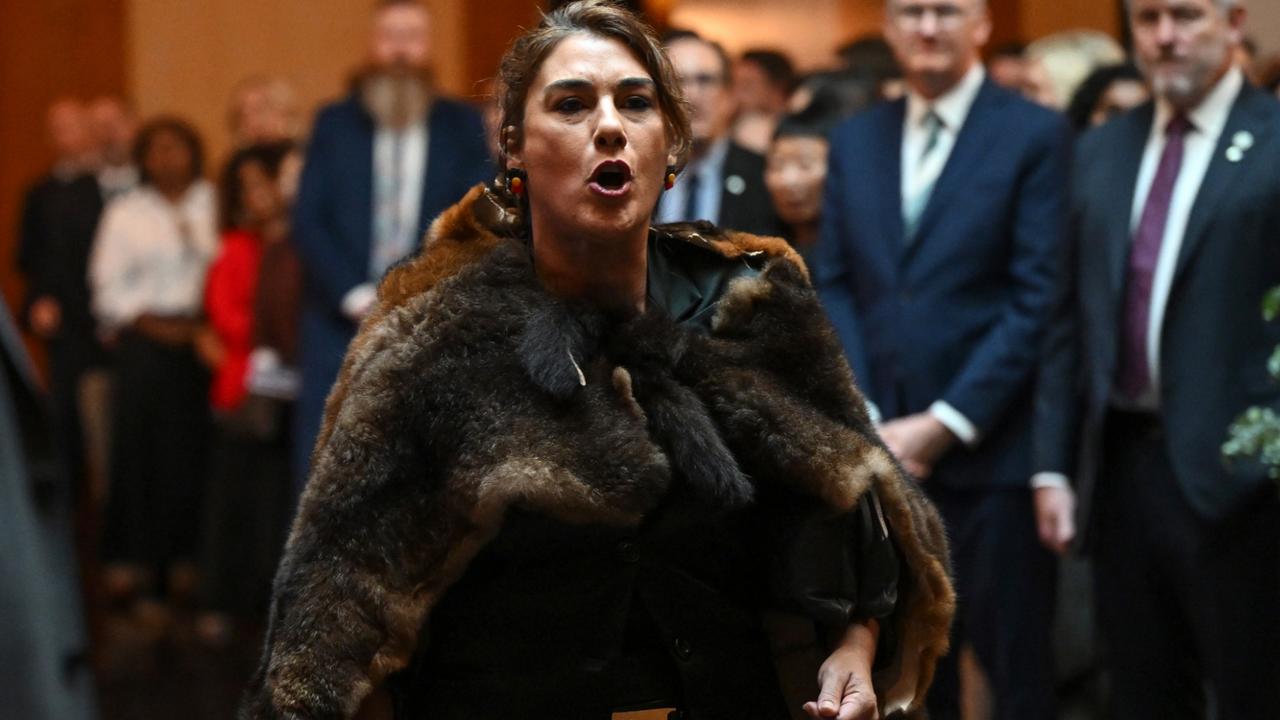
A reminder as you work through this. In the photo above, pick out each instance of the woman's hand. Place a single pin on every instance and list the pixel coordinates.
(845, 678)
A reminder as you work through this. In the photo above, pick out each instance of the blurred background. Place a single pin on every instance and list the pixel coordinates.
(187, 56)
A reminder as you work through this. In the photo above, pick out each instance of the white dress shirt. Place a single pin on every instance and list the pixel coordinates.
(952, 108)
(710, 172)
(1207, 120)
(399, 159)
(151, 255)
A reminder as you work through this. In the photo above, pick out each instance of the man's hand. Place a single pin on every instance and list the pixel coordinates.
(918, 441)
(845, 678)
(1055, 517)
(210, 348)
(45, 317)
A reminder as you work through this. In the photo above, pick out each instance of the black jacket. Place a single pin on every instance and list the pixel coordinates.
(59, 220)
(1214, 341)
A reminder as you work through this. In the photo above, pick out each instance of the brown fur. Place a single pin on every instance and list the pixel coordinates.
(440, 422)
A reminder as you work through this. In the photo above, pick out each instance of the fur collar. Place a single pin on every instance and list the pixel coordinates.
(470, 390)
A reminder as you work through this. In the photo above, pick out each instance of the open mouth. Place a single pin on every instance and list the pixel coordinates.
(612, 178)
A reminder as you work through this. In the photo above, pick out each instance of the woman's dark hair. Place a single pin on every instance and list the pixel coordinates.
(1090, 93)
(836, 94)
(776, 66)
(176, 126)
(604, 19)
(871, 54)
(269, 155)
(831, 104)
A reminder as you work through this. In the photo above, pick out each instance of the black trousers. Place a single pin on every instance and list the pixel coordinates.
(246, 519)
(1183, 601)
(159, 454)
(1004, 585)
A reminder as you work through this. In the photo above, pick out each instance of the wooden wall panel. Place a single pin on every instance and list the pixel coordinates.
(490, 28)
(48, 50)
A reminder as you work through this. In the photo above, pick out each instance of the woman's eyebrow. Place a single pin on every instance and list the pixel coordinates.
(568, 84)
(633, 82)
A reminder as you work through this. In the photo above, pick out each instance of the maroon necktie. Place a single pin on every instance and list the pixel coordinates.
(1134, 375)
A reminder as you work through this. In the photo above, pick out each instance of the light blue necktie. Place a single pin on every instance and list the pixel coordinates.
(916, 205)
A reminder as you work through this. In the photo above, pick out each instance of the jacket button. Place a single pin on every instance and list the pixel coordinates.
(683, 649)
(628, 552)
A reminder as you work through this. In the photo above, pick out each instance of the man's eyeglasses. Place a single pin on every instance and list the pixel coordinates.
(702, 80)
(912, 15)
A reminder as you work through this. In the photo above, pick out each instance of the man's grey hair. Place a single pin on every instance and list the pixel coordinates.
(1223, 5)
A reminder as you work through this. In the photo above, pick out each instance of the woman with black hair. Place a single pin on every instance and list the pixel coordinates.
(248, 495)
(1105, 93)
(146, 275)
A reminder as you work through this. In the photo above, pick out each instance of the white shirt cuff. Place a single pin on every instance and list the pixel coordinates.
(358, 300)
(954, 421)
(874, 411)
(1050, 480)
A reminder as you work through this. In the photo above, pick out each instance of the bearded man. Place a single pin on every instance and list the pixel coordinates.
(381, 164)
(1157, 346)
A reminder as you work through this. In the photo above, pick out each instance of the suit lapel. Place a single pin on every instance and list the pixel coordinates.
(887, 157)
(1119, 208)
(1221, 175)
(439, 158)
(977, 134)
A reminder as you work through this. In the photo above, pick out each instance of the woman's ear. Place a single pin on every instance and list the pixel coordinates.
(510, 142)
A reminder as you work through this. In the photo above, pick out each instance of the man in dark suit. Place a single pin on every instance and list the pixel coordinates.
(59, 217)
(942, 216)
(723, 181)
(1156, 347)
(43, 643)
(380, 166)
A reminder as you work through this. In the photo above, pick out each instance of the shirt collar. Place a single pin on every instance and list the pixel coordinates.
(953, 105)
(713, 161)
(1210, 116)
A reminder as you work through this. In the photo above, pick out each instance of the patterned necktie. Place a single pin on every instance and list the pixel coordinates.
(1134, 371)
(916, 204)
(691, 204)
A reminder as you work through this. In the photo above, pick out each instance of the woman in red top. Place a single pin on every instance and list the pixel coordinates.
(248, 494)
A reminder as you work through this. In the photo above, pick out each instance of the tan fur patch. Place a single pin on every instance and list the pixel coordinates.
(622, 385)
(549, 489)
(739, 301)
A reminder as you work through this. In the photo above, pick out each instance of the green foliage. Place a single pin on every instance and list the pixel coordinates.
(1271, 304)
(1256, 433)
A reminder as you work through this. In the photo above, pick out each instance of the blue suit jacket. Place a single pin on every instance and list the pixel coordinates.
(333, 222)
(957, 314)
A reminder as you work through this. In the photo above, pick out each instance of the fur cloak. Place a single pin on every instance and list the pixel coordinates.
(470, 390)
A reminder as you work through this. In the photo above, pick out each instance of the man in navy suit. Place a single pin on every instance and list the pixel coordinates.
(380, 166)
(943, 214)
(1157, 345)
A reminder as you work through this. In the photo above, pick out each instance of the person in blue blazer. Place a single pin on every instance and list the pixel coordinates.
(943, 214)
(380, 165)
(1157, 345)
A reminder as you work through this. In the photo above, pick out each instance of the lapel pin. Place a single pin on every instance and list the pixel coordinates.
(1235, 154)
(735, 184)
(1242, 139)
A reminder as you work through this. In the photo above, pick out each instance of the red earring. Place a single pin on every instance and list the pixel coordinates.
(515, 181)
(671, 178)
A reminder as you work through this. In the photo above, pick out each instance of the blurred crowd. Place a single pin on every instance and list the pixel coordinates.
(195, 311)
